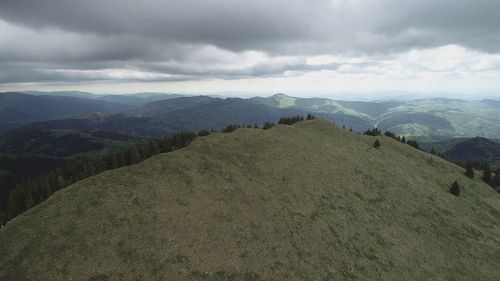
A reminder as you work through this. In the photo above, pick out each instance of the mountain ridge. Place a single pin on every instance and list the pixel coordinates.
(309, 200)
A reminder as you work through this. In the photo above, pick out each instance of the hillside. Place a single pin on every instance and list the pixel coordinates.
(302, 202)
(476, 149)
(428, 119)
(130, 99)
(17, 109)
(169, 116)
(29, 153)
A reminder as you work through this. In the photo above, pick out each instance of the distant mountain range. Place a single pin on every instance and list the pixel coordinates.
(17, 109)
(151, 114)
(426, 118)
(132, 99)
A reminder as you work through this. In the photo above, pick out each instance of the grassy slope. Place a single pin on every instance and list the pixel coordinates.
(302, 202)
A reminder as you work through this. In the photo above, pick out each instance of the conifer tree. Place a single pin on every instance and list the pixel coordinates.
(376, 144)
(469, 171)
(268, 125)
(487, 173)
(134, 155)
(203, 133)
(455, 189)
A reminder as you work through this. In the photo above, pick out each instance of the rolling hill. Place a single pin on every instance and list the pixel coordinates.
(303, 202)
(170, 116)
(428, 119)
(17, 109)
(477, 150)
(425, 119)
(134, 100)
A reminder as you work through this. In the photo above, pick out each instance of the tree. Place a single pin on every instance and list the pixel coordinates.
(413, 143)
(390, 134)
(373, 132)
(496, 181)
(268, 125)
(376, 144)
(469, 171)
(487, 174)
(403, 140)
(204, 133)
(230, 128)
(290, 120)
(134, 155)
(455, 189)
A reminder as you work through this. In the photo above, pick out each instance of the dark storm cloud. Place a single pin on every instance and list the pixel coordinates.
(40, 39)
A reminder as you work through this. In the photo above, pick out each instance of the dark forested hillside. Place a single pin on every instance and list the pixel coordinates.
(17, 109)
(476, 149)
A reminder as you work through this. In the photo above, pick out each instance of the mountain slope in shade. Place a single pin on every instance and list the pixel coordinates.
(169, 116)
(302, 202)
(475, 150)
(137, 99)
(17, 109)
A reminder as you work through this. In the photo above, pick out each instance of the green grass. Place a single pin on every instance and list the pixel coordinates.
(302, 202)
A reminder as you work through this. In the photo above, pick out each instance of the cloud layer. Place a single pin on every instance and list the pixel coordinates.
(158, 40)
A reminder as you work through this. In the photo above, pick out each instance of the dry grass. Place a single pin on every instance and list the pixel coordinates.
(302, 202)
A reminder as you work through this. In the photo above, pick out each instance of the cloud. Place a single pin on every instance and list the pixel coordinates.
(165, 40)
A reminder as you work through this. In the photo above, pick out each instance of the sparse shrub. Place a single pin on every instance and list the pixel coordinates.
(376, 144)
(455, 189)
(469, 170)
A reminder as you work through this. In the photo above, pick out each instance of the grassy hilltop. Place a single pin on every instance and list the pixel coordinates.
(302, 202)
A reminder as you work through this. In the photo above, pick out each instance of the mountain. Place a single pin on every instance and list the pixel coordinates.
(130, 99)
(197, 113)
(59, 143)
(425, 118)
(478, 150)
(29, 153)
(303, 202)
(169, 116)
(18, 109)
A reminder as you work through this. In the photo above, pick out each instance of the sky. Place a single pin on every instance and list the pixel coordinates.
(371, 48)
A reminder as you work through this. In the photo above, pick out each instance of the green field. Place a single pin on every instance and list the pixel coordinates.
(303, 202)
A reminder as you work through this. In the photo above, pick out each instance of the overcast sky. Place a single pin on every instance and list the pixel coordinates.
(308, 47)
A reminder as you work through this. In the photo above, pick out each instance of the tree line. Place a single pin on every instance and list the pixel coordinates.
(377, 132)
(31, 192)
